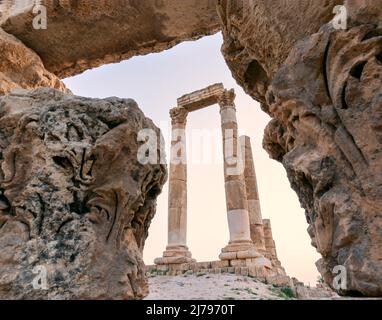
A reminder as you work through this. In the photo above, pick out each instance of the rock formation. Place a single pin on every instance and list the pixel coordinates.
(321, 86)
(75, 203)
(84, 34)
(324, 95)
(21, 67)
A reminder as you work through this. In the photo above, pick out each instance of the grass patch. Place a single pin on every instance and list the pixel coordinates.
(287, 293)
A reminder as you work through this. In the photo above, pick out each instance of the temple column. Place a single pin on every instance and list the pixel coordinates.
(269, 242)
(235, 189)
(270, 247)
(177, 250)
(254, 209)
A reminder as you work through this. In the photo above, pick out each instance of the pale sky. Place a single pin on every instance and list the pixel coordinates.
(155, 82)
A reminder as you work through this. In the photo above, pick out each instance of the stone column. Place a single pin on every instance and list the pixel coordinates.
(269, 242)
(270, 247)
(254, 209)
(236, 196)
(177, 250)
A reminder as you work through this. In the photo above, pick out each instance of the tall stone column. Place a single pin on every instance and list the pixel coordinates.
(254, 209)
(269, 242)
(177, 250)
(235, 189)
(270, 247)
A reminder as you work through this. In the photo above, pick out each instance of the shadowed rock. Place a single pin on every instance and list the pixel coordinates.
(22, 67)
(83, 34)
(324, 95)
(75, 202)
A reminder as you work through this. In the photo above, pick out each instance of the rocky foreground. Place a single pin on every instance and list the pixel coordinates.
(224, 287)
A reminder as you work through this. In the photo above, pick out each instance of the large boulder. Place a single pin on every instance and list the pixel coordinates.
(83, 34)
(22, 67)
(75, 202)
(259, 34)
(323, 88)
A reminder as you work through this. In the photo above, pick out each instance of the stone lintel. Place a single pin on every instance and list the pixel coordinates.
(201, 98)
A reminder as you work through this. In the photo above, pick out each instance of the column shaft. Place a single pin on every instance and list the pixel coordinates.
(269, 242)
(236, 198)
(254, 209)
(177, 250)
(177, 196)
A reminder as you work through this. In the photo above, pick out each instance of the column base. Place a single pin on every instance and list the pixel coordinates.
(175, 255)
(244, 251)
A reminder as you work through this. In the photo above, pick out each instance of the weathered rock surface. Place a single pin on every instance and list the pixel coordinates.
(74, 199)
(21, 67)
(323, 93)
(326, 103)
(259, 34)
(86, 34)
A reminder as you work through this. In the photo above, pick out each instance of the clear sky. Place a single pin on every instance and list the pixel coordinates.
(155, 81)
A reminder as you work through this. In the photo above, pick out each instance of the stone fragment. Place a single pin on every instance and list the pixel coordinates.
(77, 202)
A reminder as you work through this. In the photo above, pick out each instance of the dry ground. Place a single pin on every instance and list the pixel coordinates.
(212, 287)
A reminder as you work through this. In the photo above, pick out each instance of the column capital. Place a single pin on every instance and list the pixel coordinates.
(227, 98)
(178, 115)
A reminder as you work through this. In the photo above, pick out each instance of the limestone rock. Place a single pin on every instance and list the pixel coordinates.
(21, 67)
(259, 34)
(85, 34)
(326, 103)
(75, 203)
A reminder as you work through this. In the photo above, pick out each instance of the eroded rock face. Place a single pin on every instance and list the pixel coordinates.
(326, 103)
(259, 34)
(84, 34)
(21, 67)
(327, 107)
(74, 201)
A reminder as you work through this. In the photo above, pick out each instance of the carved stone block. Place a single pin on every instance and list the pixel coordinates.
(75, 203)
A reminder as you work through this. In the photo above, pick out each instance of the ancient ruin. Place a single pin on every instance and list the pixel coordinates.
(320, 83)
(251, 243)
(61, 215)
